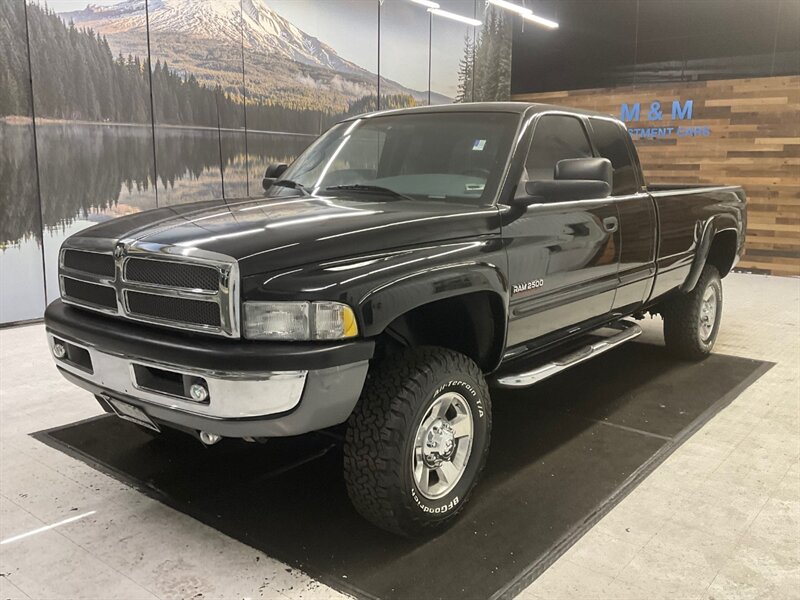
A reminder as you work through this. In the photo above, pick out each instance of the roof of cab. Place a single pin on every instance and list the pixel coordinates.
(508, 107)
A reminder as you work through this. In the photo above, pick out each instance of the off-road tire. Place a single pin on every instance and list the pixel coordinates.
(381, 432)
(682, 316)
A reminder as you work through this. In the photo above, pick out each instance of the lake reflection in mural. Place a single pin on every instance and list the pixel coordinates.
(92, 173)
(225, 88)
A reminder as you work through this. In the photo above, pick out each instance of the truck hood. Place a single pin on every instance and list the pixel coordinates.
(268, 234)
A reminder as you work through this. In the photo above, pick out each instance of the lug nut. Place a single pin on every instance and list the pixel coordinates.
(198, 392)
(59, 350)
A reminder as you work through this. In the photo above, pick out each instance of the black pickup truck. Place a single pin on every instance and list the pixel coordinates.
(406, 262)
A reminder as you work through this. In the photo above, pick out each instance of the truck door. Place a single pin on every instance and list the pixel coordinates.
(563, 256)
(637, 216)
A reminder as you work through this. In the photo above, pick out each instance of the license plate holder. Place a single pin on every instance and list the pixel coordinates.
(131, 413)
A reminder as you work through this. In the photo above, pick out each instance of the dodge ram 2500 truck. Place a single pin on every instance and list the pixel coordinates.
(403, 264)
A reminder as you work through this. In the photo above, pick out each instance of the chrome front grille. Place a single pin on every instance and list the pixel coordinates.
(90, 293)
(197, 312)
(164, 285)
(171, 274)
(89, 262)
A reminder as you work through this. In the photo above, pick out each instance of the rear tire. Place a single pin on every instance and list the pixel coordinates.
(691, 321)
(417, 440)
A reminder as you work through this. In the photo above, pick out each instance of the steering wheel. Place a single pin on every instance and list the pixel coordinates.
(477, 172)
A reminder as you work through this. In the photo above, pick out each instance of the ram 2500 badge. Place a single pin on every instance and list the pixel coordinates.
(403, 264)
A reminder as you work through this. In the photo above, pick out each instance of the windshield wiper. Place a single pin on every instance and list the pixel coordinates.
(292, 184)
(358, 187)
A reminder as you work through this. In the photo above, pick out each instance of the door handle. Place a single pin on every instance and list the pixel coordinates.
(610, 224)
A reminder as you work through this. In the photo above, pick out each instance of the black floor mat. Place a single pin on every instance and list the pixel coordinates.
(563, 453)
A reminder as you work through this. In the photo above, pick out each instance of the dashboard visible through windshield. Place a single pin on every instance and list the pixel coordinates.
(419, 155)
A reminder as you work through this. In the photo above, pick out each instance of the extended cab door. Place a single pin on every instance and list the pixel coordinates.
(637, 214)
(562, 256)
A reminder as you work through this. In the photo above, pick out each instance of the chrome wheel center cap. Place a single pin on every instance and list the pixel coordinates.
(440, 441)
(708, 314)
(442, 445)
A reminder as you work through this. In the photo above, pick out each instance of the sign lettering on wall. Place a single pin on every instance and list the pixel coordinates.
(654, 114)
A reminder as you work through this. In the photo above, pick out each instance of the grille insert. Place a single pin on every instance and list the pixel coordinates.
(172, 274)
(90, 262)
(181, 310)
(98, 295)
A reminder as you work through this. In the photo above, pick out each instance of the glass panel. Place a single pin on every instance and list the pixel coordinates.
(555, 138)
(404, 75)
(93, 129)
(610, 142)
(197, 70)
(492, 81)
(21, 275)
(438, 156)
(452, 53)
(307, 65)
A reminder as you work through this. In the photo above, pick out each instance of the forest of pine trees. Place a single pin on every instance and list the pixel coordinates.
(484, 72)
(76, 77)
(14, 86)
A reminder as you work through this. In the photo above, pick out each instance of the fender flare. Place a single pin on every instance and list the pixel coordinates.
(385, 303)
(715, 225)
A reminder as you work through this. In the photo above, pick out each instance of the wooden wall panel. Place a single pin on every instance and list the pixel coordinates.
(754, 142)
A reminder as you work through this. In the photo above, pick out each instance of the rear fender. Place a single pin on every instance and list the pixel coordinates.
(716, 224)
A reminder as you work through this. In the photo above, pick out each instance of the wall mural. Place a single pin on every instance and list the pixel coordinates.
(151, 103)
(21, 278)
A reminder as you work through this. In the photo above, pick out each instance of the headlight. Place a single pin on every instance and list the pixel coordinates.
(298, 321)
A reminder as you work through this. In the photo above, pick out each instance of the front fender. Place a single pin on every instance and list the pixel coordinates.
(382, 287)
(388, 301)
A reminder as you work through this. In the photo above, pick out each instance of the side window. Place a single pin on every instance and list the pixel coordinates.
(611, 143)
(555, 138)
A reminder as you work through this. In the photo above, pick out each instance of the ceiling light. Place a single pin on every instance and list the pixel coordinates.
(541, 21)
(426, 3)
(526, 13)
(448, 15)
(512, 7)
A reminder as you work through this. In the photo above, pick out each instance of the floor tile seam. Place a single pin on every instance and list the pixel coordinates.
(7, 578)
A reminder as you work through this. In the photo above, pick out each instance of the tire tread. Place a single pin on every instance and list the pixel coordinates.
(377, 429)
(681, 317)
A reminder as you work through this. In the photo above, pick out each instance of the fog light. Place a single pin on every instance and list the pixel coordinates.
(198, 392)
(209, 439)
(59, 350)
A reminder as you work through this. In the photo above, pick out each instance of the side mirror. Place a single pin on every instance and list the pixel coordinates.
(562, 191)
(587, 169)
(574, 179)
(272, 173)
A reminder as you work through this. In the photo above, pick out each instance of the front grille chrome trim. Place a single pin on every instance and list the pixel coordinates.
(226, 296)
(62, 261)
(77, 302)
(165, 289)
(162, 320)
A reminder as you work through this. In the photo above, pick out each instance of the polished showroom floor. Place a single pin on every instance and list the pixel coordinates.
(719, 519)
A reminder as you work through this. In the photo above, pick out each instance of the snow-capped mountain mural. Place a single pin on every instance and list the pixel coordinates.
(222, 89)
(282, 62)
(224, 20)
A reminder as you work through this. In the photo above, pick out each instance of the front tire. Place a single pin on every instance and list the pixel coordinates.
(691, 321)
(417, 441)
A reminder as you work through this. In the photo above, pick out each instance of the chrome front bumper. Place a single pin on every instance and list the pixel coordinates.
(246, 404)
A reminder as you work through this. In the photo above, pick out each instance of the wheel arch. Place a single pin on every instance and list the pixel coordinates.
(718, 245)
(473, 324)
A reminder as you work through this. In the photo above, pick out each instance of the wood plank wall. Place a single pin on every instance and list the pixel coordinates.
(754, 142)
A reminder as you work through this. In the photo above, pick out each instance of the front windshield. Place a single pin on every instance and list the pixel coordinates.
(424, 156)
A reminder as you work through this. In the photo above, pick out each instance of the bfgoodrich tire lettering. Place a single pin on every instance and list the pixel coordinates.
(380, 441)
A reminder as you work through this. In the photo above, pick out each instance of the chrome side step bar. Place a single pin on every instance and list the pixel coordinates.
(628, 332)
